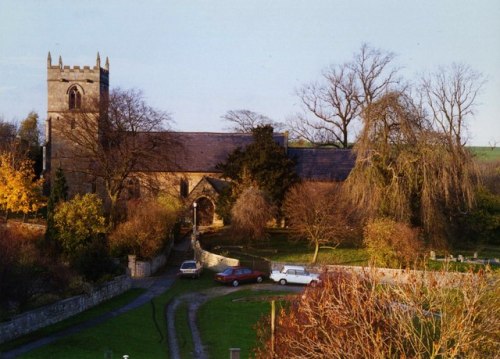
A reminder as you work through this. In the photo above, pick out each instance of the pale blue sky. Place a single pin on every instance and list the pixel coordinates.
(199, 59)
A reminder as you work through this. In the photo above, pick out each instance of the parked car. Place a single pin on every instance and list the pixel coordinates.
(237, 275)
(294, 274)
(191, 269)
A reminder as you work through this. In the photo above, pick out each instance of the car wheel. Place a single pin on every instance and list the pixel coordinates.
(282, 281)
(235, 283)
(259, 279)
(313, 283)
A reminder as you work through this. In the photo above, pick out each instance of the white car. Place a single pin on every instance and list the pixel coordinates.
(294, 274)
(191, 269)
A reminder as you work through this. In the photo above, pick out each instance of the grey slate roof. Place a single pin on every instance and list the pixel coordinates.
(323, 164)
(202, 151)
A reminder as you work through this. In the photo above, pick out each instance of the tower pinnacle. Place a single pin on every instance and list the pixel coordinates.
(49, 60)
(98, 60)
(106, 66)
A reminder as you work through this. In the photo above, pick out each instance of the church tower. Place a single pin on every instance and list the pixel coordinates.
(73, 94)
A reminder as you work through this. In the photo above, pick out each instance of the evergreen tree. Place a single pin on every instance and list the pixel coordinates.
(58, 193)
(263, 164)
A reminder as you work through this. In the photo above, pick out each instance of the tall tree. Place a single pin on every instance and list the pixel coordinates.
(29, 141)
(450, 95)
(407, 171)
(334, 104)
(121, 139)
(245, 121)
(263, 163)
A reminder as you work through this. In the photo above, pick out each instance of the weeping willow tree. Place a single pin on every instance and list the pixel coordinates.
(409, 172)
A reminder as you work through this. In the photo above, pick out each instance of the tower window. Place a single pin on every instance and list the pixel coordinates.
(75, 99)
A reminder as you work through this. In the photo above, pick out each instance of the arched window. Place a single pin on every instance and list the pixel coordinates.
(75, 98)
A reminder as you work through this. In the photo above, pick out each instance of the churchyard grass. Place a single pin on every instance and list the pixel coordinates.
(281, 248)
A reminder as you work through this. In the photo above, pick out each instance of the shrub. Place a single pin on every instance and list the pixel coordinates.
(20, 266)
(353, 316)
(146, 232)
(392, 244)
(80, 228)
(79, 221)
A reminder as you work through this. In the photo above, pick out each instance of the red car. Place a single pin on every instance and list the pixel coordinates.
(237, 275)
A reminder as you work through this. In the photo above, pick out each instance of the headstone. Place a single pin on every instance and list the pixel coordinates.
(433, 255)
(234, 353)
(460, 258)
(475, 255)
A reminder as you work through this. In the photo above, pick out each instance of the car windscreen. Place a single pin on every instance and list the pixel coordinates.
(188, 265)
(228, 271)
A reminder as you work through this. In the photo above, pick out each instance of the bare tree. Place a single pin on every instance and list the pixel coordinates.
(119, 140)
(8, 132)
(333, 106)
(245, 121)
(450, 94)
(250, 214)
(315, 211)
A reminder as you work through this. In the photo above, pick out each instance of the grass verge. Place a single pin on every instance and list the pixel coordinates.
(183, 331)
(133, 333)
(225, 323)
(102, 308)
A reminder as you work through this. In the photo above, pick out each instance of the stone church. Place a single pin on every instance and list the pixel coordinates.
(195, 177)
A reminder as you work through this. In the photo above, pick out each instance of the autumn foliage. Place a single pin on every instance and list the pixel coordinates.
(146, 231)
(353, 316)
(19, 191)
(392, 244)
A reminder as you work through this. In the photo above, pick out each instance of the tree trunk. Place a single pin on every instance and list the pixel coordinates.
(316, 249)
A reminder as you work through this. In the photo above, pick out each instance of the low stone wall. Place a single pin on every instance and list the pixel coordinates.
(389, 275)
(210, 260)
(141, 269)
(41, 317)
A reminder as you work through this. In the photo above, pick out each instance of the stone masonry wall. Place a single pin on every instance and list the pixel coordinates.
(388, 275)
(212, 261)
(41, 317)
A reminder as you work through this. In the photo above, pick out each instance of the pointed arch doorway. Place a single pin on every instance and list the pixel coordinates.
(205, 211)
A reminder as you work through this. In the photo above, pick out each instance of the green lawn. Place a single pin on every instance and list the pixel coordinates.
(279, 247)
(486, 154)
(225, 323)
(133, 333)
(185, 340)
(111, 304)
(282, 249)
